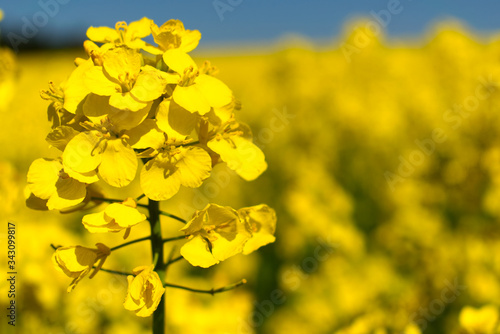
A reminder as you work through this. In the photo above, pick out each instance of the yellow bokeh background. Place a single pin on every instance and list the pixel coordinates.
(384, 165)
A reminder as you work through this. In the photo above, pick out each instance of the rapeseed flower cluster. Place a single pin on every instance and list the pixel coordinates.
(132, 105)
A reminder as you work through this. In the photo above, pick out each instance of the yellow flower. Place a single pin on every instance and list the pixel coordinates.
(175, 121)
(48, 180)
(77, 261)
(123, 34)
(146, 135)
(216, 233)
(145, 291)
(235, 147)
(68, 96)
(262, 221)
(201, 92)
(116, 217)
(103, 115)
(113, 158)
(162, 176)
(173, 35)
(129, 85)
(480, 321)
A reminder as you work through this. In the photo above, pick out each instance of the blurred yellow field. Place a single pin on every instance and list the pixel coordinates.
(383, 169)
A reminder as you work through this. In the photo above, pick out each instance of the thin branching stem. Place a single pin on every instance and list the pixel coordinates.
(173, 216)
(107, 200)
(173, 260)
(116, 272)
(175, 238)
(211, 291)
(130, 243)
(116, 247)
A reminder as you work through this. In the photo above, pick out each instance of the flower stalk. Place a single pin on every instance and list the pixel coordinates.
(160, 266)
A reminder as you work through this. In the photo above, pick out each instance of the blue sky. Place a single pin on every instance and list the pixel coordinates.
(244, 21)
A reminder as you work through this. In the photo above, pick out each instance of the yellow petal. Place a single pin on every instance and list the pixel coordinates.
(126, 101)
(191, 99)
(122, 64)
(75, 88)
(197, 253)
(99, 223)
(69, 192)
(175, 121)
(96, 81)
(190, 40)
(119, 163)
(88, 177)
(43, 175)
(262, 222)
(76, 259)
(126, 119)
(102, 34)
(167, 36)
(194, 165)
(36, 203)
(159, 180)
(124, 216)
(140, 269)
(222, 228)
(215, 91)
(130, 303)
(139, 29)
(178, 61)
(82, 153)
(241, 155)
(150, 84)
(152, 49)
(162, 176)
(196, 223)
(224, 248)
(60, 136)
(96, 108)
(146, 135)
(224, 113)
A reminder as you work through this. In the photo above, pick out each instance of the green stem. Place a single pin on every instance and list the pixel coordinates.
(157, 252)
(172, 216)
(108, 200)
(211, 291)
(129, 243)
(175, 238)
(114, 272)
(174, 260)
